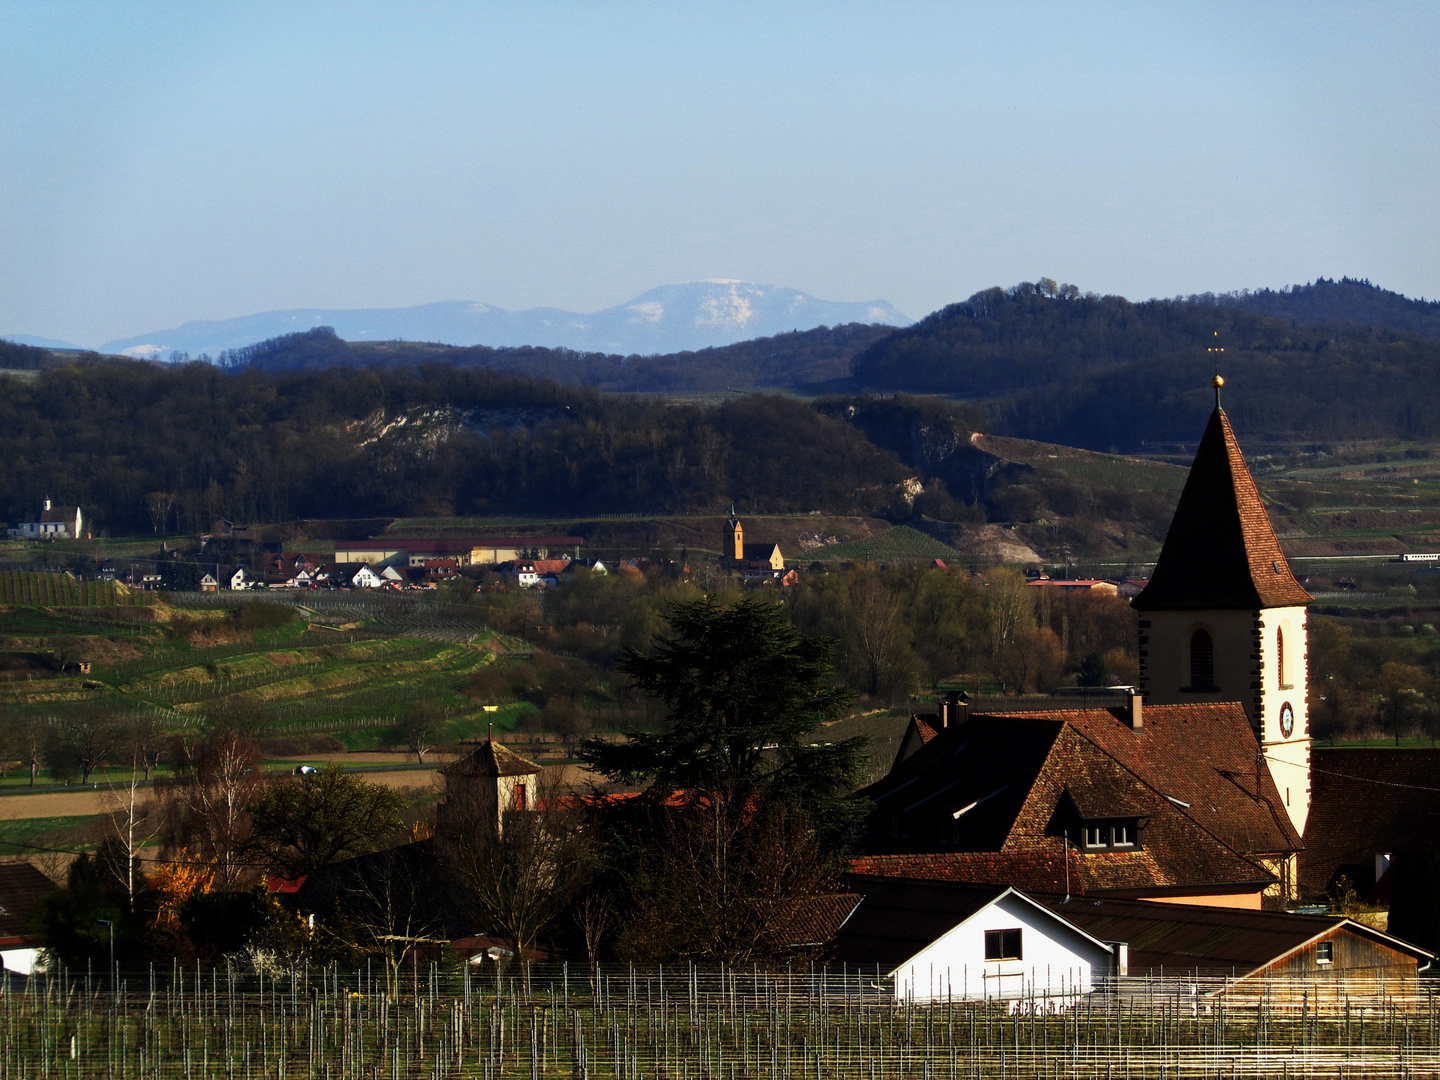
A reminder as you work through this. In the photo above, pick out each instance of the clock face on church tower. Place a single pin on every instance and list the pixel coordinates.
(1287, 720)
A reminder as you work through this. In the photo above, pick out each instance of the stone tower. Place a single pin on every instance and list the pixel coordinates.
(490, 783)
(1223, 618)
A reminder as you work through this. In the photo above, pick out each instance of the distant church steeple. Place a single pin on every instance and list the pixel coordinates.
(1223, 618)
(734, 542)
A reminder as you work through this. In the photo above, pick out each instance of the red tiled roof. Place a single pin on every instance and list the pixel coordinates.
(1221, 551)
(1204, 755)
(1364, 802)
(283, 886)
(1014, 785)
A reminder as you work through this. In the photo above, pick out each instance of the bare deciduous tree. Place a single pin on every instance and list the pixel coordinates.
(724, 882)
(217, 782)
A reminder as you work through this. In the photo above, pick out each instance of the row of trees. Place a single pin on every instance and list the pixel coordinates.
(900, 630)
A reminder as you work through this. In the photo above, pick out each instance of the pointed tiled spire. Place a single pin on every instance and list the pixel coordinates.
(1221, 551)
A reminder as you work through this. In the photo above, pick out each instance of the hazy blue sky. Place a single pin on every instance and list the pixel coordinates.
(164, 162)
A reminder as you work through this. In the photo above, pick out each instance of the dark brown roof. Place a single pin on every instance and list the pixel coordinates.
(1221, 551)
(1363, 802)
(1205, 940)
(22, 887)
(898, 918)
(492, 760)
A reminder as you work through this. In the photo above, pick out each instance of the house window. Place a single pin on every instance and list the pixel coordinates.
(1325, 952)
(1121, 835)
(519, 798)
(1002, 944)
(1202, 661)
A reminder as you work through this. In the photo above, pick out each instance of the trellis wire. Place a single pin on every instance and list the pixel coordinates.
(705, 1023)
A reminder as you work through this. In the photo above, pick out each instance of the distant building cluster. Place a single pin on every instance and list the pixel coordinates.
(52, 523)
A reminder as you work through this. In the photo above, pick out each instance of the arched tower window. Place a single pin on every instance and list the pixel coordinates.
(1280, 654)
(1202, 661)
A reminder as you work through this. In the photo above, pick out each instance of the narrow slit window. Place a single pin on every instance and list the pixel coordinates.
(1202, 661)
(519, 803)
(1280, 655)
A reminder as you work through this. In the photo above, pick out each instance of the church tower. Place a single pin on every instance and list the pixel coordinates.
(733, 546)
(1223, 618)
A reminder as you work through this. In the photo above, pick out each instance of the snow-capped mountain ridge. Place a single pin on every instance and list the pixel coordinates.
(671, 318)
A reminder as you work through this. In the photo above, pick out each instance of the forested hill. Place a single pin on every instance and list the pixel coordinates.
(1326, 302)
(1102, 372)
(800, 358)
(148, 446)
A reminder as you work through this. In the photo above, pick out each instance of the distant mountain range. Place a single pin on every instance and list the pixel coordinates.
(669, 319)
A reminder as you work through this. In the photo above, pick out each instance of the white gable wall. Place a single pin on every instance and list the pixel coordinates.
(1057, 960)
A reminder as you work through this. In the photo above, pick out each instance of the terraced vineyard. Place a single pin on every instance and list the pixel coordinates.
(25, 588)
(352, 667)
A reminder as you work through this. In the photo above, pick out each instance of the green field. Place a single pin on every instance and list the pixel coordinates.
(26, 836)
(897, 544)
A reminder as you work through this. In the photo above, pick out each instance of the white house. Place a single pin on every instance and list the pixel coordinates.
(941, 941)
(53, 522)
(366, 578)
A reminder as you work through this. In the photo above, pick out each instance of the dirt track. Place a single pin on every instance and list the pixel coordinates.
(75, 803)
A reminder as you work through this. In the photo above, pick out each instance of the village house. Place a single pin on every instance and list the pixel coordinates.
(491, 551)
(52, 523)
(1196, 791)
(946, 942)
(1093, 586)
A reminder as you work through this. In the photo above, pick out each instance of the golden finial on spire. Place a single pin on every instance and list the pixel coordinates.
(1217, 382)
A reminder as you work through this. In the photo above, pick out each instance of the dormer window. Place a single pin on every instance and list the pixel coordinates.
(1118, 834)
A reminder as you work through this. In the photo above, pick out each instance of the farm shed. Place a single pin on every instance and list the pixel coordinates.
(942, 941)
(1255, 951)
